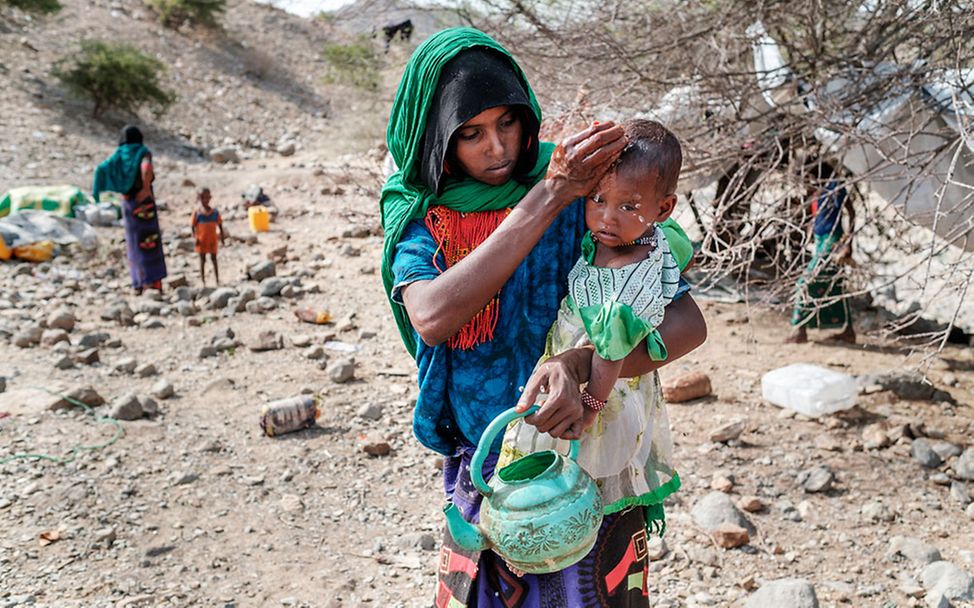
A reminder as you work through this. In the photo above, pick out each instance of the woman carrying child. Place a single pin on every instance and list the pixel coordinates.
(481, 234)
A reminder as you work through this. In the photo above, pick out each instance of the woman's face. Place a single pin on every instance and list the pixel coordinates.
(488, 145)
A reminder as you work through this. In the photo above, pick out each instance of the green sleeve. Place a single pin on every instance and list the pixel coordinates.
(679, 242)
(616, 331)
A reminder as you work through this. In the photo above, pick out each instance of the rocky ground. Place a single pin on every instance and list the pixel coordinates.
(193, 506)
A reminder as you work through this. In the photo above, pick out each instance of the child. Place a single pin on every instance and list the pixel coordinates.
(617, 294)
(206, 223)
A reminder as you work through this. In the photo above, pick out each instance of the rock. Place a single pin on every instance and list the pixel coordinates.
(149, 405)
(816, 479)
(945, 449)
(730, 536)
(824, 441)
(267, 340)
(120, 313)
(206, 351)
(88, 357)
(923, 453)
(219, 298)
(3, 384)
(909, 386)
(914, 549)
(717, 508)
(877, 511)
(285, 148)
(61, 320)
(162, 389)
(178, 282)
(793, 593)
(63, 362)
(721, 483)
(874, 437)
(28, 337)
(186, 309)
(946, 579)
(728, 432)
(370, 411)
(252, 307)
(964, 466)
(958, 492)
(126, 407)
(687, 387)
(427, 542)
(146, 370)
(376, 447)
(970, 510)
(105, 537)
(50, 337)
(225, 154)
(261, 270)
(290, 291)
(315, 353)
(301, 340)
(93, 339)
(186, 479)
(272, 286)
(266, 304)
(752, 504)
(341, 370)
(126, 365)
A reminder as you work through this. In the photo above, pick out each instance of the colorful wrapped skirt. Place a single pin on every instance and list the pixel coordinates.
(819, 301)
(143, 243)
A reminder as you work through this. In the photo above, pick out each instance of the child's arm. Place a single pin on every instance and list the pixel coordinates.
(603, 376)
(223, 234)
(193, 224)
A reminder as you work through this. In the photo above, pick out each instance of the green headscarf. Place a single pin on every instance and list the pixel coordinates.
(405, 197)
(119, 171)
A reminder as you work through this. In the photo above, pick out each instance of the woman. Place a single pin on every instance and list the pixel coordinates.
(480, 235)
(129, 172)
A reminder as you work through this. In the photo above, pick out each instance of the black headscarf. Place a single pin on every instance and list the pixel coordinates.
(475, 80)
(130, 135)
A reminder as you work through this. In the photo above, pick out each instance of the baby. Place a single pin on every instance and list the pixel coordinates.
(629, 271)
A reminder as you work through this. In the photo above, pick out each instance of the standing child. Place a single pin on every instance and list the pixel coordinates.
(617, 292)
(206, 223)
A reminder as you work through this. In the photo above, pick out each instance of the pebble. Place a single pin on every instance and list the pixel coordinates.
(942, 578)
(793, 593)
(945, 449)
(341, 370)
(62, 320)
(816, 479)
(126, 365)
(146, 370)
(267, 340)
(301, 340)
(877, 511)
(316, 353)
(272, 286)
(88, 357)
(126, 407)
(427, 542)
(50, 337)
(958, 492)
(730, 536)
(370, 411)
(687, 387)
(162, 389)
(964, 466)
(923, 453)
(261, 270)
(219, 298)
(752, 504)
(874, 437)
(64, 362)
(728, 432)
(28, 337)
(717, 508)
(914, 549)
(149, 405)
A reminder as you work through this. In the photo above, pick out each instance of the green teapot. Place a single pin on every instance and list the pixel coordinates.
(541, 513)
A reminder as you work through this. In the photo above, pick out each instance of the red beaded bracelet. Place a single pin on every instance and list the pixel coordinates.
(596, 405)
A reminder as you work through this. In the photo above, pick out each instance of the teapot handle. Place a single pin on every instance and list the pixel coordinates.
(487, 439)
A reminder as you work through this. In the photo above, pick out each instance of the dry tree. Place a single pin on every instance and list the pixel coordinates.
(763, 94)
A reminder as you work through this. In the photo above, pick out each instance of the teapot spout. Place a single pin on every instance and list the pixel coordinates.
(467, 535)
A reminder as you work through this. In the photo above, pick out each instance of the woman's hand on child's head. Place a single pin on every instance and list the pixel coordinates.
(580, 161)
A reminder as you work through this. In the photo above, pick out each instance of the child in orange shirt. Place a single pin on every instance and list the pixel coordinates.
(206, 223)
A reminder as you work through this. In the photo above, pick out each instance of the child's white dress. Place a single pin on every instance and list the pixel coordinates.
(628, 450)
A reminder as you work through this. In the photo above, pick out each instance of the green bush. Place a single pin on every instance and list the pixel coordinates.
(174, 13)
(115, 75)
(34, 6)
(353, 64)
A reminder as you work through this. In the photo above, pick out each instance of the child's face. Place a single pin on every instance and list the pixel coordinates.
(624, 206)
(488, 145)
(205, 199)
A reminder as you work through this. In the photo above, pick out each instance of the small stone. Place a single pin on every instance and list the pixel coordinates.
(816, 479)
(105, 537)
(93, 339)
(370, 411)
(126, 407)
(301, 340)
(220, 297)
(272, 286)
(186, 479)
(50, 337)
(290, 291)
(64, 362)
(752, 504)
(728, 432)
(206, 351)
(427, 542)
(186, 309)
(964, 466)
(162, 389)
(874, 437)
(793, 593)
(146, 370)
(126, 365)
(716, 508)
(149, 405)
(877, 511)
(959, 493)
(376, 448)
(224, 155)
(945, 449)
(88, 357)
(261, 270)
(341, 370)
(687, 387)
(267, 340)
(61, 320)
(824, 441)
(730, 536)
(316, 353)
(946, 579)
(721, 483)
(923, 453)
(28, 337)
(914, 549)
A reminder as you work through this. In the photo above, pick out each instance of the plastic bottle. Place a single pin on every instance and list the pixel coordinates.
(288, 415)
(809, 389)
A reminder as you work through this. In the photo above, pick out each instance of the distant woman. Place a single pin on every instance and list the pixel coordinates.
(129, 172)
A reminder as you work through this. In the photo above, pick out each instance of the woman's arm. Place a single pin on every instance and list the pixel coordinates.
(562, 415)
(147, 176)
(438, 308)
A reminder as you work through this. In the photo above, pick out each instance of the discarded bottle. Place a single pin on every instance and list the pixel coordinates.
(289, 415)
(311, 315)
(809, 389)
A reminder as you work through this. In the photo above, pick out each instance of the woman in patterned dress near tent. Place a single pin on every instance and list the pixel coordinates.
(129, 172)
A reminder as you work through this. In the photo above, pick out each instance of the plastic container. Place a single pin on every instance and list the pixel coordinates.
(809, 389)
(41, 251)
(260, 218)
(5, 252)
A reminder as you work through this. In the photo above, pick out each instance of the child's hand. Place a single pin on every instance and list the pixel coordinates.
(580, 161)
